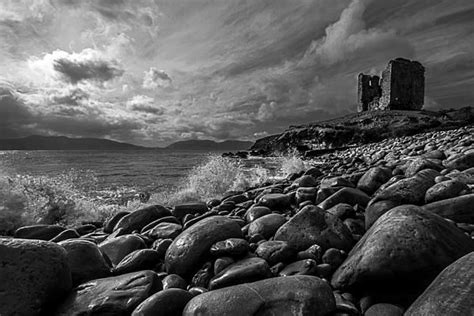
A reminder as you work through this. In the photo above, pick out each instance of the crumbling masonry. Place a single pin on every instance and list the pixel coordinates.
(402, 87)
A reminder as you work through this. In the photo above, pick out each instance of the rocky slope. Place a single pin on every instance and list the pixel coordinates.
(360, 128)
(382, 229)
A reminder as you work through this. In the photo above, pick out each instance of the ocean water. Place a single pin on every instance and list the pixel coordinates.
(93, 185)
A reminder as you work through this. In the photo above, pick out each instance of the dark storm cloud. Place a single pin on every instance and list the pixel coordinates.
(95, 70)
(14, 115)
(70, 97)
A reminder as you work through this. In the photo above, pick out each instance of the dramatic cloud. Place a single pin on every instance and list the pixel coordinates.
(155, 78)
(230, 69)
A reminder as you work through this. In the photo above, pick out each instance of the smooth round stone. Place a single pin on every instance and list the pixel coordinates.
(222, 263)
(174, 281)
(255, 212)
(444, 190)
(143, 259)
(390, 255)
(451, 293)
(161, 245)
(243, 271)
(373, 179)
(66, 234)
(275, 201)
(460, 161)
(312, 225)
(169, 302)
(294, 295)
(306, 181)
(164, 231)
(118, 295)
(324, 270)
(420, 164)
(314, 252)
(41, 232)
(275, 251)
(180, 211)
(306, 194)
(230, 247)
(110, 223)
(117, 248)
(341, 210)
(266, 225)
(384, 309)
(191, 247)
(85, 260)
(166, 219)
(34, 275)
(349, 196)
(196, 290)
(334, 257)
(138, 219)
(336, 182)
(301, 267)
(458, 209)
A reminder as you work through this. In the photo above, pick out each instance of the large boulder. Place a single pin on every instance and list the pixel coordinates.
(311, 225)
(118, 295)
(292, 295)
(140, 218)
(34, 275)
(85, 260)
(460, 161)
(190, 248)
(404, 250)
(117, 248)
(451, 293)
(445, 190)
(458, 209)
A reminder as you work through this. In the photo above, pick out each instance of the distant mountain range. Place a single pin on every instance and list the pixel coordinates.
(210, 145)
(36, 142)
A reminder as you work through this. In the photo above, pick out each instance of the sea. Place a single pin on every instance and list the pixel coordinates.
(88, 183)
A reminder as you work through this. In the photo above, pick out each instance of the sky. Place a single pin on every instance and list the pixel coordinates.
(155, 72)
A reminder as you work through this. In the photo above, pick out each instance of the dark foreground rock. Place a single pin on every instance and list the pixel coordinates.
(111, 296)
(296, 295)
(405, 246)
(451, 293)
(34, 275)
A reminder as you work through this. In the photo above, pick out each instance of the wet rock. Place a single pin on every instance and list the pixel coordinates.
(460, 161)
(34, 274)
(143, 259)
(344, 306)
(170, 302)
(294, 295)
(222, 263)
(41, 232)
(301, 267)
(405, 245)
(66, 234)
(118, 295)
(275, 201)
(310, 226)
(410, 190)
(334, 257)
(85, 260)
(110, 223)
(191, 208)
(164, 231)
(275, 251)
(458, 209)
(377, 209)
(306, 181)
(314, 252)
(117, 248)
(341, 210)
(445, 190)
(304, 194)
(202, 277)
(190, 248)
(324, 193)
(140, 218)
(255, 212)
(336, 182)
(230, 247)
(383, 309)
(349, 196)
(421, 163)
(451, 293)
(161, 245)
(166, 219)
(243, 271)
(266, 225)
(174, 281)
(373, 179)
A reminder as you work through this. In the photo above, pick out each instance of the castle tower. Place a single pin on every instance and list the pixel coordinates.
(368, 92)
(403, 85)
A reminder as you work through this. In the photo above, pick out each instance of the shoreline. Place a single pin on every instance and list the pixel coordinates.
(369, 229)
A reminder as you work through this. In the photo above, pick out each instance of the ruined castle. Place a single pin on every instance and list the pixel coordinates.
(402, 87)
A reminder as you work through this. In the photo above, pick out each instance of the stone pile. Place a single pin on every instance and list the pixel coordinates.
(382, 229)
